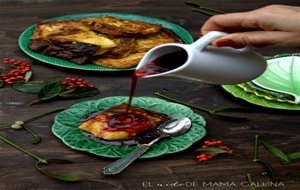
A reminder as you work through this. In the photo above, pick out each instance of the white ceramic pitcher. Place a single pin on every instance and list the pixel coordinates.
(216, 65)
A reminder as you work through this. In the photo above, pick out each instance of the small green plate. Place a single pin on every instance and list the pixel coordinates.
(259, 98)
(282, 75)
(24, 39)
(66, 125)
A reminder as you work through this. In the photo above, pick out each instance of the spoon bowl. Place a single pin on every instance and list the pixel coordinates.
(173, 127)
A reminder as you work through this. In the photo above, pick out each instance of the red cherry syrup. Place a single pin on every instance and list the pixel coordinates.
(161, 64)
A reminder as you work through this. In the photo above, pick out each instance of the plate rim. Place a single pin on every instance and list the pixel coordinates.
(202, 125)
(24, 46)
(280, 56)
(231, 88)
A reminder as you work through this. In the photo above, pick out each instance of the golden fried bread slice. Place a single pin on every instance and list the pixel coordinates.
(128, 54)
(124, 47)
(114, 26)
(57, 27)
(122, 63)
(116, 123)
(70, 40)
(71, 30)
(146, 43)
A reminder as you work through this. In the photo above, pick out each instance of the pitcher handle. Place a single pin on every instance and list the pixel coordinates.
(207, 39)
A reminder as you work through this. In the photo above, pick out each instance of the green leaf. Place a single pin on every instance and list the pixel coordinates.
(60, 177)
(293, 155)
(83, 92)
(277, 152)
(211, 150)
(50, 89)
(29, 87)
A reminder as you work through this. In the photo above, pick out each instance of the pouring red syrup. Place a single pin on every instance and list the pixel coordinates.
(131, 121)
(161, 64)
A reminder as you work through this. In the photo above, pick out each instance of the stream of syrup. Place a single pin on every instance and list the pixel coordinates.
(131, 120)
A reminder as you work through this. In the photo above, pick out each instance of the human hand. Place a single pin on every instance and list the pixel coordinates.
(270, 25)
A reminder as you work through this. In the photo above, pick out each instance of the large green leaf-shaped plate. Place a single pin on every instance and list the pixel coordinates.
(24, 39)
(282, 75)
(66, 128)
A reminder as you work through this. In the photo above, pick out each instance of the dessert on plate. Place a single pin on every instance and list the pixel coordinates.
(122, 122)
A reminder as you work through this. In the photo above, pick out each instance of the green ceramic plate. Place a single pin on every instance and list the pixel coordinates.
(251, 97)
(66, 128)
(247, 87)
(24, 39)
(261, 98)
(282, 75)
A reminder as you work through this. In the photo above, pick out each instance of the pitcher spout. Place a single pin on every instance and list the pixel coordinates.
(162, 60)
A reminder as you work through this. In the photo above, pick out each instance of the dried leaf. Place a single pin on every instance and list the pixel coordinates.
(28, 76)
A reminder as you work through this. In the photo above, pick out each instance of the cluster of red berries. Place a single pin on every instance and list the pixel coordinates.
(17, 72)
(70, 83)
(217, 143)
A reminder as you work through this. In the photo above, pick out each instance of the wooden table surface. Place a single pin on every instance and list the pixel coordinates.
(176, 171)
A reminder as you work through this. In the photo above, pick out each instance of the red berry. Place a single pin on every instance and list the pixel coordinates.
(20, 77)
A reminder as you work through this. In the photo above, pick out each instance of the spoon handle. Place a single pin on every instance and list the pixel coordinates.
(120, 164)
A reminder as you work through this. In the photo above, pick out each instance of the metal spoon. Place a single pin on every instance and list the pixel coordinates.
(172, 127)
